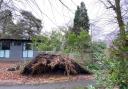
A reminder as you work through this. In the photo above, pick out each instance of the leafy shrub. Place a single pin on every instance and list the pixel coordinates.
(78, 44)
(110, 71)
(48, 43)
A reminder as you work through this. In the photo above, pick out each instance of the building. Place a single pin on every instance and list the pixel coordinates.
(16, 49)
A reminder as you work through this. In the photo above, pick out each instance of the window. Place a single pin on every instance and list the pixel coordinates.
(5, 49)
(27, 50)
(17, 43)
(28, 46)
(0, 46)
(5, 46)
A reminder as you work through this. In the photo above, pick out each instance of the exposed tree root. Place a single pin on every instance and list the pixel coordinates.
(53, 64)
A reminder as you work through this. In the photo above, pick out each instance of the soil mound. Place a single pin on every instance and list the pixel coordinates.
(53, 64)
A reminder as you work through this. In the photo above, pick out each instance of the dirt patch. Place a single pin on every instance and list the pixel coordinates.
(14, 77)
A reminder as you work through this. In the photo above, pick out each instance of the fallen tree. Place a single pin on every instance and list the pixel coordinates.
(53, 64)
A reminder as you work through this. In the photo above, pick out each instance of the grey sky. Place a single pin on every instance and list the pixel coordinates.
(54, 14)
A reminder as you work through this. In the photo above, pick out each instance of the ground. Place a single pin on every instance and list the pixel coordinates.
(14, 77)
(80, 84)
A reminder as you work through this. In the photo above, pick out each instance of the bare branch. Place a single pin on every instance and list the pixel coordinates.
(111, 5)
(66, 6)
(104, 4)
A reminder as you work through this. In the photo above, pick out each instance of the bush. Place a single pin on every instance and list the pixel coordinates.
(48, 43)
(79, 46)
(110, 71)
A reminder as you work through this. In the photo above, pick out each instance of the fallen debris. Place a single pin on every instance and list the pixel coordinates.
(15, 78)
(14, 68)
(53, 64)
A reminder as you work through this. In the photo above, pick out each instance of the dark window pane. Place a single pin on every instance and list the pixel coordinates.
(5, 45)
(28, 46)
(17, 43)
(0, 46)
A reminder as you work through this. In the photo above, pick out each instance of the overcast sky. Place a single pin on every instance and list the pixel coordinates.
(53, 14)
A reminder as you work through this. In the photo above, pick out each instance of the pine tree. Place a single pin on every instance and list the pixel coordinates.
(81, 19)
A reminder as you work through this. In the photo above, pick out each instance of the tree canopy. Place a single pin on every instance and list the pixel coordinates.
(6, 22)
(81, 19)
(27, 26)
(30, 25)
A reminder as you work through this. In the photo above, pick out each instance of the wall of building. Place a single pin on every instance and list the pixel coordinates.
(16, 51)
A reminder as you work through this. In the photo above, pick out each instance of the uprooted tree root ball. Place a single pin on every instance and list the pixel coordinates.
(53, 64)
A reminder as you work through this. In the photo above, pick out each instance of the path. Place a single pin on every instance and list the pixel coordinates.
(62, 85)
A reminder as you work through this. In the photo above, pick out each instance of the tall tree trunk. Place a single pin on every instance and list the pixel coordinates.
(120, 21)
(122, 39)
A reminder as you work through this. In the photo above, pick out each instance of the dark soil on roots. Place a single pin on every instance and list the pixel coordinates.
(53, 64)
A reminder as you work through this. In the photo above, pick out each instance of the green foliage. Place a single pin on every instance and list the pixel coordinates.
(98, 47)
(77, 39)
(48, 43)
(78, 46)
(120, 70)
(110, 71)
(56, 39)
(41, 43)
(100, 65)
(98, 56)
(77, 43)
(91, 87)
(81, 19)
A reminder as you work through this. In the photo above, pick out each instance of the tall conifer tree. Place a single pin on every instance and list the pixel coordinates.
(81, 19)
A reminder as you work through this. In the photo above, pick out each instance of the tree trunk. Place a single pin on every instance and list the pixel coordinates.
(120, 22)
(122, 37)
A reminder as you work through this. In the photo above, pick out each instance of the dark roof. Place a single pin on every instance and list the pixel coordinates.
(21, 40)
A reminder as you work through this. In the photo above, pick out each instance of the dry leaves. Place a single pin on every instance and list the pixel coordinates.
(14, 77)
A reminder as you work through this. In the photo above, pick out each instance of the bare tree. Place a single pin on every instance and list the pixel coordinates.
(119, 7)
(116, 6)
